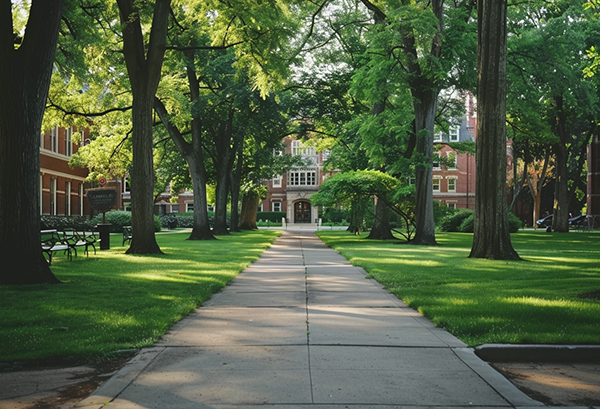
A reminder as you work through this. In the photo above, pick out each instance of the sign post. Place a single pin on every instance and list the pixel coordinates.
(102, 200)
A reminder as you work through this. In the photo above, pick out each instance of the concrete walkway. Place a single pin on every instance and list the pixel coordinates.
(299, 328)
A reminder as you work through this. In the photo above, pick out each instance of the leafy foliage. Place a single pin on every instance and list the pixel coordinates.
(120, 218)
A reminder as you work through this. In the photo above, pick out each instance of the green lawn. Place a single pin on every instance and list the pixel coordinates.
(484, 301)
(115, 302)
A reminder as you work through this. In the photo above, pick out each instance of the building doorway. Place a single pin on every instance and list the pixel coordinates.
(302, 212)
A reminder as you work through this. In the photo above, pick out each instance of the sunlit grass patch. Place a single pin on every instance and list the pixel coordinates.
(483, 301)
(112, 301)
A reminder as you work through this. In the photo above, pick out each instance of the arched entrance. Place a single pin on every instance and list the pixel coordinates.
(302, 212)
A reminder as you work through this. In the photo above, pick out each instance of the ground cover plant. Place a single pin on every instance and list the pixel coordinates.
(113, 303)
(548, 299)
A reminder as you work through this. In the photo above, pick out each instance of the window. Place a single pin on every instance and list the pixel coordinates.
(276, 206)
(451, 205)
(81, 199)
(260, 207)
(67, 198)
(53, 186)
(451, 160)
(126, 185)
(436, 185)
(189, 207)
(295, 147)
(68, 142)
(451, 185)
(277, 181)
(436, 161)
(454, 133)
(438, 137)
(299, 149)
(54, 139)
(302, 178)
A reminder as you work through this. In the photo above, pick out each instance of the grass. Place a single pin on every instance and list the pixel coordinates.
(111, 303)
(485, 301)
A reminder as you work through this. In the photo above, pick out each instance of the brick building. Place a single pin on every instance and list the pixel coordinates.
(290, 193)
(62, 187)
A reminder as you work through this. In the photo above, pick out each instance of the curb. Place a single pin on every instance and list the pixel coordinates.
(538, 353)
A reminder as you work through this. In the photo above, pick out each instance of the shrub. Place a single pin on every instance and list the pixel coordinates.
(270, 216)
(334, 215)
(61, 222)
(120, 218)
(452, 221)
(514, 224)
(467, 224)
(440, 212)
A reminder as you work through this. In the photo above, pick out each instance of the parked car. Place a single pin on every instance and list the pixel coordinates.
(578, 221)
(544, 221)
(547, 221)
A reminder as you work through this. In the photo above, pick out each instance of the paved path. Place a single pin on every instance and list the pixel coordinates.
(300, 328)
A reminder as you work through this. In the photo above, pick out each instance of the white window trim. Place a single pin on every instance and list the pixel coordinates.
(454, 133)
(53, 195)
(438, 179)
(54, 139)
(277, 181)
(455, 159)
(68, 141)
(453, 179)
(81, 199)
(68, 185)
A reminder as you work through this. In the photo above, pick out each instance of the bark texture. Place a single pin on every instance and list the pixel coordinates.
(25, 74)
(144, 69)
(381, 229)
(491, 237)
(249, 208)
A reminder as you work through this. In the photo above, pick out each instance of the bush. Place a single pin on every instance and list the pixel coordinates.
(452, 222)
(334, 215)
(514, 224)
(62, 222)
(467, 224)
(270, 216)
(440, 212)
(120, 218)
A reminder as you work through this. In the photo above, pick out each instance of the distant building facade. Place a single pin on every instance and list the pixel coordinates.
(62, 187)
(291, 192)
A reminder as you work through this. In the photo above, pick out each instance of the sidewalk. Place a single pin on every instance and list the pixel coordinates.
(300, 328)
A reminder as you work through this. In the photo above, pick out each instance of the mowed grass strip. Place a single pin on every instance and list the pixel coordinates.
(487, 301)
(113, 302)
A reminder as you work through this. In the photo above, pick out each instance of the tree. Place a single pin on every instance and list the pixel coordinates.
(353, 189)
(26, 61)
(491, 237)
(553, 103)
(144, 64)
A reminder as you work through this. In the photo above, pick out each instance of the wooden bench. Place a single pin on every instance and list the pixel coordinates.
(52, 243)
(127, 235)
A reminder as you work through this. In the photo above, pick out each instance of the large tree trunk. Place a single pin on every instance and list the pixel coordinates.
(24, 82)
(381, 229)
(249, 209)
(222, 138)
(425, 106)
(193, 154)
(491, 237)
(144, 74)
(235, 184)
(201, 229)
(560, 218)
